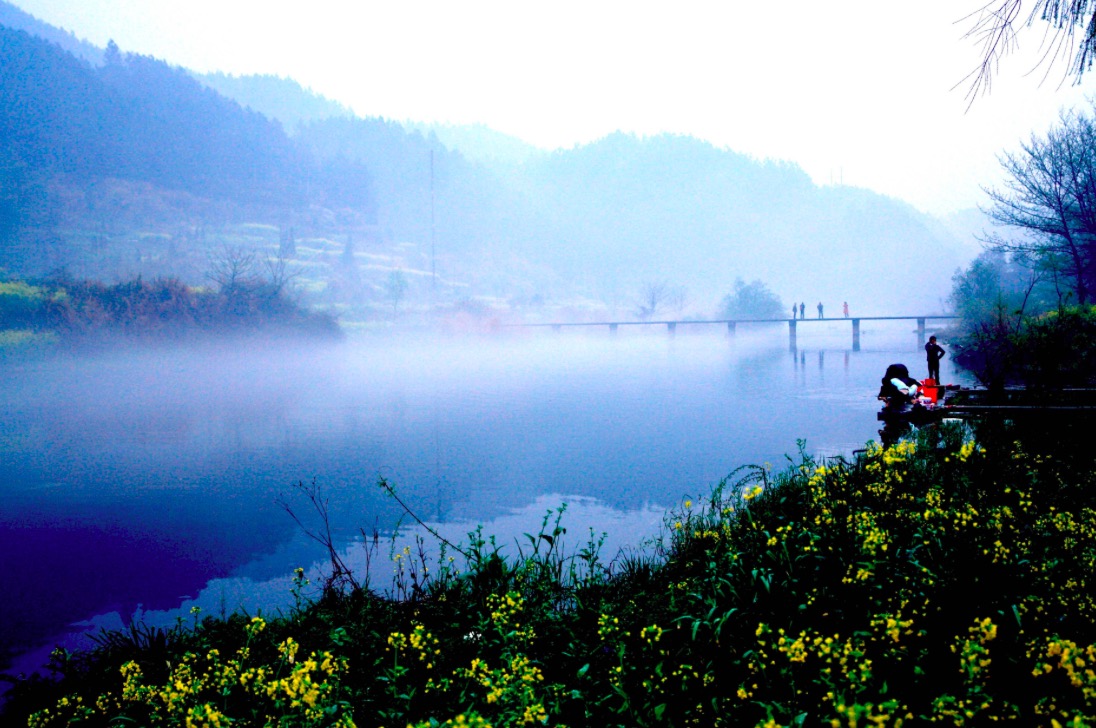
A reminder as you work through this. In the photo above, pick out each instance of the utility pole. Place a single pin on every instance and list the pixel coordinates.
(433, 260)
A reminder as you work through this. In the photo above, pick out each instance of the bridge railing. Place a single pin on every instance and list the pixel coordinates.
(732, 324)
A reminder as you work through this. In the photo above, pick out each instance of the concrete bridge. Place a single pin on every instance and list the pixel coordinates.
(793, 324)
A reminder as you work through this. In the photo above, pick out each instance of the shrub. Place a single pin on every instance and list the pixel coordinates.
(164, 308)
(22, 306)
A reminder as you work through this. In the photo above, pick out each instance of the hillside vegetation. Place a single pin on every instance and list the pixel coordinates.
(944, 580)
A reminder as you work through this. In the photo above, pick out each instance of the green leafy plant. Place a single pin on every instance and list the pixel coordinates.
(945, 579)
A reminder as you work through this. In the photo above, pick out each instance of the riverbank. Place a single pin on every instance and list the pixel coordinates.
(944, 579)
(42, 316)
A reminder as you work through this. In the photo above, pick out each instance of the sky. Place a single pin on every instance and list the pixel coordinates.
(864, 93)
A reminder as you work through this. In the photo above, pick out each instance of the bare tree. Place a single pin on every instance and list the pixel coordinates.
(1070, 36)
(279, 273)
(234, 268)
(657, 297)
(677, 300)
(395, 287)
(1050, 196)
(651, 299)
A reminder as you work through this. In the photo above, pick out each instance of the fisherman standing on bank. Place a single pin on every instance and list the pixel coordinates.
(935, 353)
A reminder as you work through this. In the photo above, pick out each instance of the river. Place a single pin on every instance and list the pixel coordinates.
(148, 482)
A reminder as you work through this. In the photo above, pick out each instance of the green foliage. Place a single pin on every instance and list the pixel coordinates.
(751, 300)
(21, 290)
(1014, 328)
(24, 340)
(22, 305)
(945, 580)
(1058, 349)
(992, 282)
(236, 671)
(1052, 350)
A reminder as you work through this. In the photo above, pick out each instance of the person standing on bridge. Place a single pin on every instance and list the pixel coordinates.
(935, 353)
(819, 309)
(802, 310)
(795, 307)
(845, 309)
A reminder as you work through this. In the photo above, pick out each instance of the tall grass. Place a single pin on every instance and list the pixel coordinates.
(946, 580)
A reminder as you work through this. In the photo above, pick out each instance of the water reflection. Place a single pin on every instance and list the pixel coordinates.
(586, 520)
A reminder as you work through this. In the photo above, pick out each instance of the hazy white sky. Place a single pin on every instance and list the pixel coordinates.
(856, 90)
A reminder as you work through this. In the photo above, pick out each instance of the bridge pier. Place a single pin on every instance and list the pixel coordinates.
(856, 334)
(671, 327)
(921, 333)
(791, 335)
(613, 328)
(730, 328)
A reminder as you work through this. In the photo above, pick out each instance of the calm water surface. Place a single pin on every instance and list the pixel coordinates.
(147, 483)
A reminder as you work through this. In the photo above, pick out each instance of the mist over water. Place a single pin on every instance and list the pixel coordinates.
(144, 480)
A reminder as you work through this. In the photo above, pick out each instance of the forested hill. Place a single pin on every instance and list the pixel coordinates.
(135, 118)
(97, 157)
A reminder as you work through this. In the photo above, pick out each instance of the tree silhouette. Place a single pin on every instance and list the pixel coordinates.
(1049, 196)
(751, 300)
(1070, 38)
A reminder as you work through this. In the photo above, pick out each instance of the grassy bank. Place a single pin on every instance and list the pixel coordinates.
(37, 316)
(945, 580)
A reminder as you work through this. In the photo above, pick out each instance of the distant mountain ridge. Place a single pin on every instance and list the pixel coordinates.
(507, 221)
(281, 99)
(678, 208)
(480, 143)
(286, 101)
